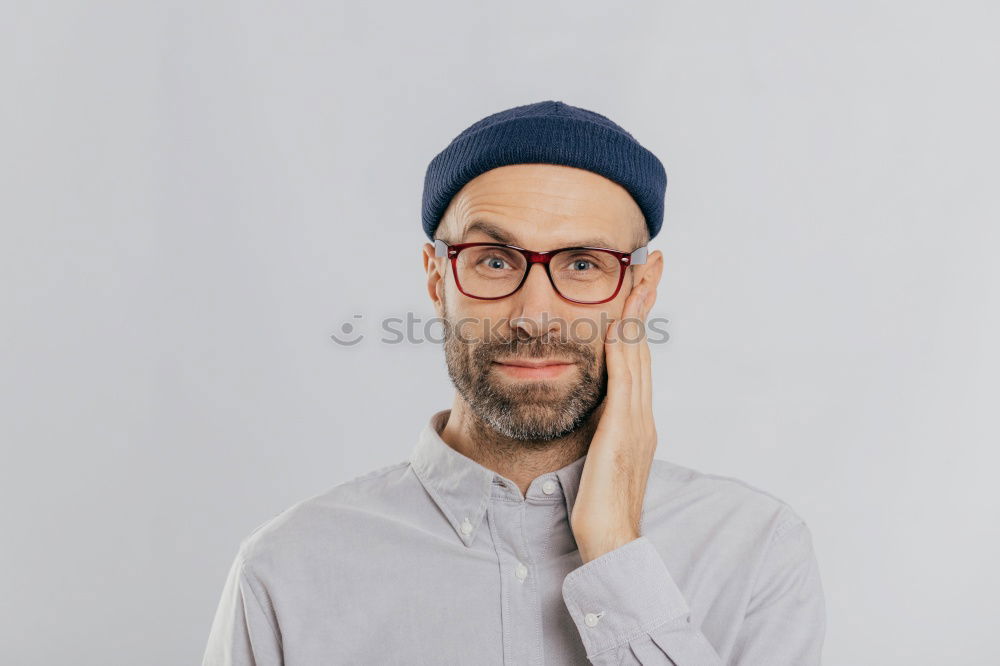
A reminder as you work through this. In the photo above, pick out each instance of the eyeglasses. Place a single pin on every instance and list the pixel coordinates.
(587, 275)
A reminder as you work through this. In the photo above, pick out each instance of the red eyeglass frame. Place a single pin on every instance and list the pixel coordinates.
(625, 259)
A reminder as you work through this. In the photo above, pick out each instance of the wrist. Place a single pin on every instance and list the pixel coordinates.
(593, 547)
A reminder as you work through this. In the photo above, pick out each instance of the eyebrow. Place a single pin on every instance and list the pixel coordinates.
(501, 236)
(491, 230)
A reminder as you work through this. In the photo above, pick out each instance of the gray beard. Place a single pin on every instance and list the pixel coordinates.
(534, 413)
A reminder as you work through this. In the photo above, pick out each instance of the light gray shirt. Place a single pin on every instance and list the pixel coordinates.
(439, 560)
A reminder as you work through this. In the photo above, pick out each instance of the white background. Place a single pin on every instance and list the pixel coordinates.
(196, 195)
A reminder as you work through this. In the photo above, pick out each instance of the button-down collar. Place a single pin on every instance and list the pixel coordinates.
(462, 488)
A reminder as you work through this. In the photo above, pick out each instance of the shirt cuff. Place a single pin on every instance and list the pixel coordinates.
(621, 595)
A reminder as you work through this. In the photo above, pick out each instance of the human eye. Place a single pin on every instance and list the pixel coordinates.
(583, 265)
(493, 261)
(579, 262)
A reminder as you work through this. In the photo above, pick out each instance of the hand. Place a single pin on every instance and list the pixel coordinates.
(609, 502)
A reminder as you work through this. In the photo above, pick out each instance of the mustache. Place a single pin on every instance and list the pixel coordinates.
(514, 348)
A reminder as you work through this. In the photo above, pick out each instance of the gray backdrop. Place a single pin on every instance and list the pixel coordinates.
(196, 195)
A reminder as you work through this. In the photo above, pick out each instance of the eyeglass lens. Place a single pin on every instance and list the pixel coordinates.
(581, 275)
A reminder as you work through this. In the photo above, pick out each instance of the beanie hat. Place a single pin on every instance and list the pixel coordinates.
(547, 132)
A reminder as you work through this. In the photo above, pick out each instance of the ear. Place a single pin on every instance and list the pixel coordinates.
(435, 268)
(648, 276)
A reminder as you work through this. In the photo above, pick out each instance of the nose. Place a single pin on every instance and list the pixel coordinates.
(535, 305)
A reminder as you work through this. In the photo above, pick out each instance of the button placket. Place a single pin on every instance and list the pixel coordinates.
(520, 604)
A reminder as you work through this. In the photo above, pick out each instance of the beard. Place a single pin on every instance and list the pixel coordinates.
(531, 411)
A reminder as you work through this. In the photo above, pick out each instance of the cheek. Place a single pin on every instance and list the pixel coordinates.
(613, 311)
(590, 330)
(617, 306)
(478, 321)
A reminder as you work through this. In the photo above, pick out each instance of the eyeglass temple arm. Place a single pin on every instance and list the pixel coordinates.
(440, 248)
(639, 256)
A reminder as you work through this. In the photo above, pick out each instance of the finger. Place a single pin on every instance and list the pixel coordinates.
(644, 373)
(648, 303)
(646, 380)
(633, 337)
(632, 313)
(619, 376)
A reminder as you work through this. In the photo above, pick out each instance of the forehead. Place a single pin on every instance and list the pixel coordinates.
(481, 229)
(545, 206)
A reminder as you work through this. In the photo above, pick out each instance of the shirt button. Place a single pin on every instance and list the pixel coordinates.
(549, 487)
(591, 619)
(466, 527)
(521, 571)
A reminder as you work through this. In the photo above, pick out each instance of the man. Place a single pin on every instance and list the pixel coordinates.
(531, 524)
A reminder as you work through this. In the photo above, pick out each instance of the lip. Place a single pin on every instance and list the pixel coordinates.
(532, 363)
(534, 368)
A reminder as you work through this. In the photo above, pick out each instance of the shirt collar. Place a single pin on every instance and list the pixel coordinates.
(462, 488)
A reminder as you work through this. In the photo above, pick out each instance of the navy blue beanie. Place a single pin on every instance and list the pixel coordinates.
(546, 132)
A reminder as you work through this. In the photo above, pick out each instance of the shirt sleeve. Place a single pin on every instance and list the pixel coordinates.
(245, 629)
(629, 610)
(785, 620)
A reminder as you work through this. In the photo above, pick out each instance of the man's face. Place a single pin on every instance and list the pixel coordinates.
(492, 344)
